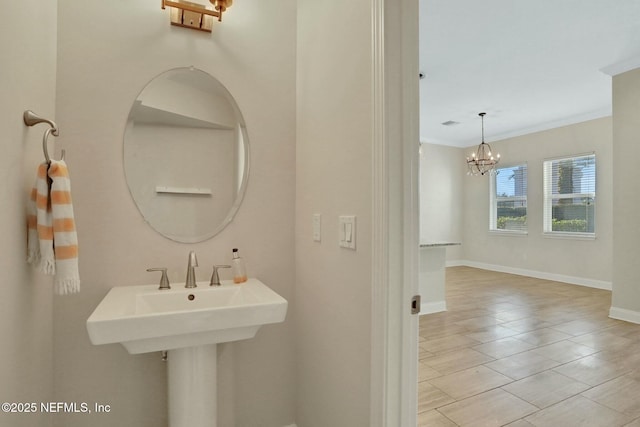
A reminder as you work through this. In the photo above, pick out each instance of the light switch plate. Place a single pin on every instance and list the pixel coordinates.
(317, 227)
(347, 231)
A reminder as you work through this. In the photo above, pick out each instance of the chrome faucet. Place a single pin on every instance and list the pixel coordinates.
(191, 271)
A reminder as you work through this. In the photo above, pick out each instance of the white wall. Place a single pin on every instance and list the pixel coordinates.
(442, 173)
(27, 81)
(581, 261)
(107, 52)
(333, 177)
(626, 175)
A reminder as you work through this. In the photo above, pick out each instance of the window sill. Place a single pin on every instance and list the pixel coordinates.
(570, 236)
(514, 233)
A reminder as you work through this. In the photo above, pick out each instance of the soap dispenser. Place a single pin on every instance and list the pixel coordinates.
(239, 270)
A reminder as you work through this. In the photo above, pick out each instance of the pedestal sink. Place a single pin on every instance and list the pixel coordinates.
(188, 323)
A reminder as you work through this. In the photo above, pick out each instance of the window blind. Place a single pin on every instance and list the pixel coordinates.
(570, 195)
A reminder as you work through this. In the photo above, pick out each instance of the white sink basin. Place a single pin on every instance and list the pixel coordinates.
(145, 319)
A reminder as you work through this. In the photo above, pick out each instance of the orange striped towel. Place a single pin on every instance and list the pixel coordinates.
(52, 239)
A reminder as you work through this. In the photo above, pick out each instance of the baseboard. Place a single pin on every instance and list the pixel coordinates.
(455, 263)
(433, 307)
(582, 281)
(624, 314)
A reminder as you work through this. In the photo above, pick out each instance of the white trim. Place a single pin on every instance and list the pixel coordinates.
(621, 67)
(582, 281)
(395, 234)
(381, 405)
(512, 233)
(570, 156)
(380, 241)
(568, 235)
(455, 263)
(433, 307)
(409, 170)
(541, 127)
(624, 314)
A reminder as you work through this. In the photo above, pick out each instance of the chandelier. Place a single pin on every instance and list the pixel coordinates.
(482, 161)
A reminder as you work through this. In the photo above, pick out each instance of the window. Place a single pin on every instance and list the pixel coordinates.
(508, 199)
(570, 196)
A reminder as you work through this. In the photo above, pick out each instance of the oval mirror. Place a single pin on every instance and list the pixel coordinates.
(186, 155)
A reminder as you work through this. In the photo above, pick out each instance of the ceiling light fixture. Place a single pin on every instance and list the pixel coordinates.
(482, 161)
(194, 15)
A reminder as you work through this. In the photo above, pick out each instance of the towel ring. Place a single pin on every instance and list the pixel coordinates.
(31, 119)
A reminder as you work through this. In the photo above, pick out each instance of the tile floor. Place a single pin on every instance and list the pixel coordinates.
(519, 351)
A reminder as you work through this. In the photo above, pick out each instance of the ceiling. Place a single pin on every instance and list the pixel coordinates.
(530, 65)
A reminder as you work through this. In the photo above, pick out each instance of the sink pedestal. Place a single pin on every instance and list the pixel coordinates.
(192, 386)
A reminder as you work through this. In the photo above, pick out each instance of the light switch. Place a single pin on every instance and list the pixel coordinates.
(347, 231)
(317, 227)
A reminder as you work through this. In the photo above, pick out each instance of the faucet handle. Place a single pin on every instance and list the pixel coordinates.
(164, 280)
(215, 279)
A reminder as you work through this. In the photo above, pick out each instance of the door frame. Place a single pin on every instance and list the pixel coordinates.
(395, 90)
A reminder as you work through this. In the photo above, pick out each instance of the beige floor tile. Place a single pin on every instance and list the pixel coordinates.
(578, 411)
(520, 423)
(592, 370)
(426, 372)
(564, 351)
(430, 397)
(492, 408)
(546, 388)
(628, 356)
(522, 365)
(471, 313)
(512, 315)
(448, 343)
(634, 423)
(603, 340)
(470, 382)
(503, 307)
(422, 353)
(578, 327)
(625, 329)
(503, 347)
(434, 418)
(553, 341)
(542, 337)
(456, 360)
(621, 394)
(434, 331)
(477, 323)
(527, 324)
(491, 333)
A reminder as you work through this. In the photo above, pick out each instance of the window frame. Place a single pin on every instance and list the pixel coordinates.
(548, 198)
(494, 199)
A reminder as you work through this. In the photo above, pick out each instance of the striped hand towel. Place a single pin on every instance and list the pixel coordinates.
(52, 239)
